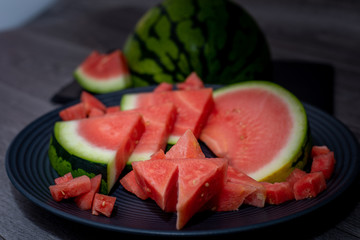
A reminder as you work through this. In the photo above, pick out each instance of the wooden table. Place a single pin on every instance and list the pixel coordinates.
(38, 59)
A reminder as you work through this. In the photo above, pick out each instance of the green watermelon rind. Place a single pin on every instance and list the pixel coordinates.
(70, 152)
(297, 152)
(103, 85)
(219, 40)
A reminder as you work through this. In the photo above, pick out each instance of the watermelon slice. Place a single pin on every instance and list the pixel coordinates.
(261, 128)
(91, 102)
(159, 122)
(76, 111)
(186, 147)
(103, 73)
(193, 107)
(158, 179)
(130, 184)
(94, 146)
(191, 82)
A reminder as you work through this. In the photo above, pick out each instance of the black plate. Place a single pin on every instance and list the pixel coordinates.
(30, 172)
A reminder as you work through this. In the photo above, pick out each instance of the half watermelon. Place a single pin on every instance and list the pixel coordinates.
(93, 146)
(261, 128)
(103, 73)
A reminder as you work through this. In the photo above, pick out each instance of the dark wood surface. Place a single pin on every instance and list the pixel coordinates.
(37, 60)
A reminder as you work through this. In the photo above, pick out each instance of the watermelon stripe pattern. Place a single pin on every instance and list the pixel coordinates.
(216, 39)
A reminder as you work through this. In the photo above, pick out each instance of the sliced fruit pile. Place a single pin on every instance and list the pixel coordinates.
(257, 130)
(84, 192)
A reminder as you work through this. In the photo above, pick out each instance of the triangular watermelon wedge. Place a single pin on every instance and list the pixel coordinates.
(193, 107)
(158, 178)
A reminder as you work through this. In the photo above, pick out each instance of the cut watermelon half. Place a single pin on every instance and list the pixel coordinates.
(94, 146)
(261, 128)
(103, 73)
(193, 108)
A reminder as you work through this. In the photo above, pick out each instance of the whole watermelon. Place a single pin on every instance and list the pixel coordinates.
(217, 39)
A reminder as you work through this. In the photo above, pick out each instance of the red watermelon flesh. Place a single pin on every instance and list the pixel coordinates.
(186, 147)
(279, 192)
(85, 200)
(199, 181)
(71, 188)
(130, 184)
(309, 186)
(163, 87)
(117, 132)
(294, 176)
(258, 196)
(105, 65)
(90, 102)
(159, 122)
(230, 198)
(64, 178)
(95, 112)
(318, 150)
(76, 111)
(103, 204)
(193, 108)
(158, 155)
(242, 123)
(324, 163)
(158, 179)
(191, 82)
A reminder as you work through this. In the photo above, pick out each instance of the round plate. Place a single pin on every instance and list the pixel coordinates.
(30, 172)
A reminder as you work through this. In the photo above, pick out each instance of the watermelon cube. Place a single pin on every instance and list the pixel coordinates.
(103, 204)
(318, 150)
(294, 176)
(71, 188)
(324, 163)
(309, 186)
(85, 200)
(64, 178)
(278, 192)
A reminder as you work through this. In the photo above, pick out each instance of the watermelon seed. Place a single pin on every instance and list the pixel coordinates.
(62, 192)
(103, 204)
(202, 195)
(207, 184)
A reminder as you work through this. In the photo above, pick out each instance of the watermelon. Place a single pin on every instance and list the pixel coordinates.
(279, 192)
(193, 108)
(294, 176)
(193, 180)
(158, 179)
(324, 163)
(85, 200)
(261, 128)
(130, 184)
(91, 102)
(103, 73)
(318, 150)
(64, 178)
(103, 204)
(73, 112)
(159, 122)
(257, 192)
(217, 39)
(164, 86)
(186, 147)
(71, 188)
(191, 82)
(92, 146)
(309, 186)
